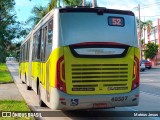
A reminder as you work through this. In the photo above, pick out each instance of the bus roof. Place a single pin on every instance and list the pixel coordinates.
(98, 10)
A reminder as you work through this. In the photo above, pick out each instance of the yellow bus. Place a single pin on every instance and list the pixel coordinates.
(82, 58)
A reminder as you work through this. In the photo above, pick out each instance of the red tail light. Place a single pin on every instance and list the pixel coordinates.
(61, 85)
(135, 82)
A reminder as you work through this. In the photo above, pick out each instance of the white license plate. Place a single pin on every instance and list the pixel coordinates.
(99, 105)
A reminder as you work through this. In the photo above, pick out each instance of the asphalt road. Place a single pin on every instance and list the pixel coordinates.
(149, 99)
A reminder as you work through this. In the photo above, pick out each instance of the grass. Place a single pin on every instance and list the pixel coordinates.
(5, 76)
(12, 105)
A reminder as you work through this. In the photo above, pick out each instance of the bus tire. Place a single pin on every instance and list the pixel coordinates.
(20, 75)
(20, 78)
(28, 87)
(23, 81)
(41, 103)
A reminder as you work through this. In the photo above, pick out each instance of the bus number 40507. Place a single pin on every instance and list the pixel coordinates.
(121, 98)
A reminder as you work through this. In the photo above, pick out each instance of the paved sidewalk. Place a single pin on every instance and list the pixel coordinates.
(10, 91)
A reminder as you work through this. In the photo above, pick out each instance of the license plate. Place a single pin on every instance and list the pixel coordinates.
(99, 105)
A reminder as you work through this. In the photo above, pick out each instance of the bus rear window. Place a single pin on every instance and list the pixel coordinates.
(116, 21)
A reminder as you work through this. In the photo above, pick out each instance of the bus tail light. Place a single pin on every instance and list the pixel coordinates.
(135, 82)
(60, 84)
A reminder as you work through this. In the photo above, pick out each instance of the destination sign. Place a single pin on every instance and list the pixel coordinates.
(116, 21)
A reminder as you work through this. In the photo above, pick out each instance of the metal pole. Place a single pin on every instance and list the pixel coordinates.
(59, 3)
(155, 43)
(83, 2)
(139, 9)
(94, 3)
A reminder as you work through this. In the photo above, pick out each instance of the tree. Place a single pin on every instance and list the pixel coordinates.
(147, 25)
(73, 2)
(52, 3)
(38, 13)
(151, 50)
(9, 27)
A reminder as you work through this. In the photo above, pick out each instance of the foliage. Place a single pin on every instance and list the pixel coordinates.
(151, 50)
(142, 41)
(9, 28)
(73, 2)
(39, 12)
(147, 25)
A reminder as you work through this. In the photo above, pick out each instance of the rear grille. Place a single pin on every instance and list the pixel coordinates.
(99, 75)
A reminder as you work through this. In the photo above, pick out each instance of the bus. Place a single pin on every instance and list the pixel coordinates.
(82, 58)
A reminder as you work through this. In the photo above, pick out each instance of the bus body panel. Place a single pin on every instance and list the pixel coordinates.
(63, 101)
(98, 75)
(24, 70)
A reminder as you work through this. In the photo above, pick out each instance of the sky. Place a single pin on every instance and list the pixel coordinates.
(23, 8)
(149, 8)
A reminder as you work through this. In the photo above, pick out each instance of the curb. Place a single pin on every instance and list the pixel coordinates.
(7, 82)
(33, 109)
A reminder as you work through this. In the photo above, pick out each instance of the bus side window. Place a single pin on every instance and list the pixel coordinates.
(50, 32)
(50, 38)
(34, 47)
(22, 54)
(28, 50)
(25, 49)
(20, 57)
(38, 44)
(43, 43)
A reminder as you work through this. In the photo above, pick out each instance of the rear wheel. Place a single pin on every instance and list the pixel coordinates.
(28, 87)
(20, 78)
(41, 103)
(23, 82)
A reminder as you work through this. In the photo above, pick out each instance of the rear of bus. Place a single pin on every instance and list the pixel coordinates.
(98, 59)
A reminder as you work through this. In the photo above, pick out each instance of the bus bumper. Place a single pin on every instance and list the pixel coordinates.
(63, 101)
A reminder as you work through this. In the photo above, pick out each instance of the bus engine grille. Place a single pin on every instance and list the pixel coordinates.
(99, 77)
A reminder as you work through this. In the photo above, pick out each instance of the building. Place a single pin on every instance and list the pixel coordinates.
(154, 37)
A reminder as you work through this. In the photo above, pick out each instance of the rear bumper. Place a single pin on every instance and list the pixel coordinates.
(63, 101)
(142, 68)
(148, 66)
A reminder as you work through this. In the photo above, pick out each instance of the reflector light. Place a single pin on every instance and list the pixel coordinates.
(61, 74)
(135, 82)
